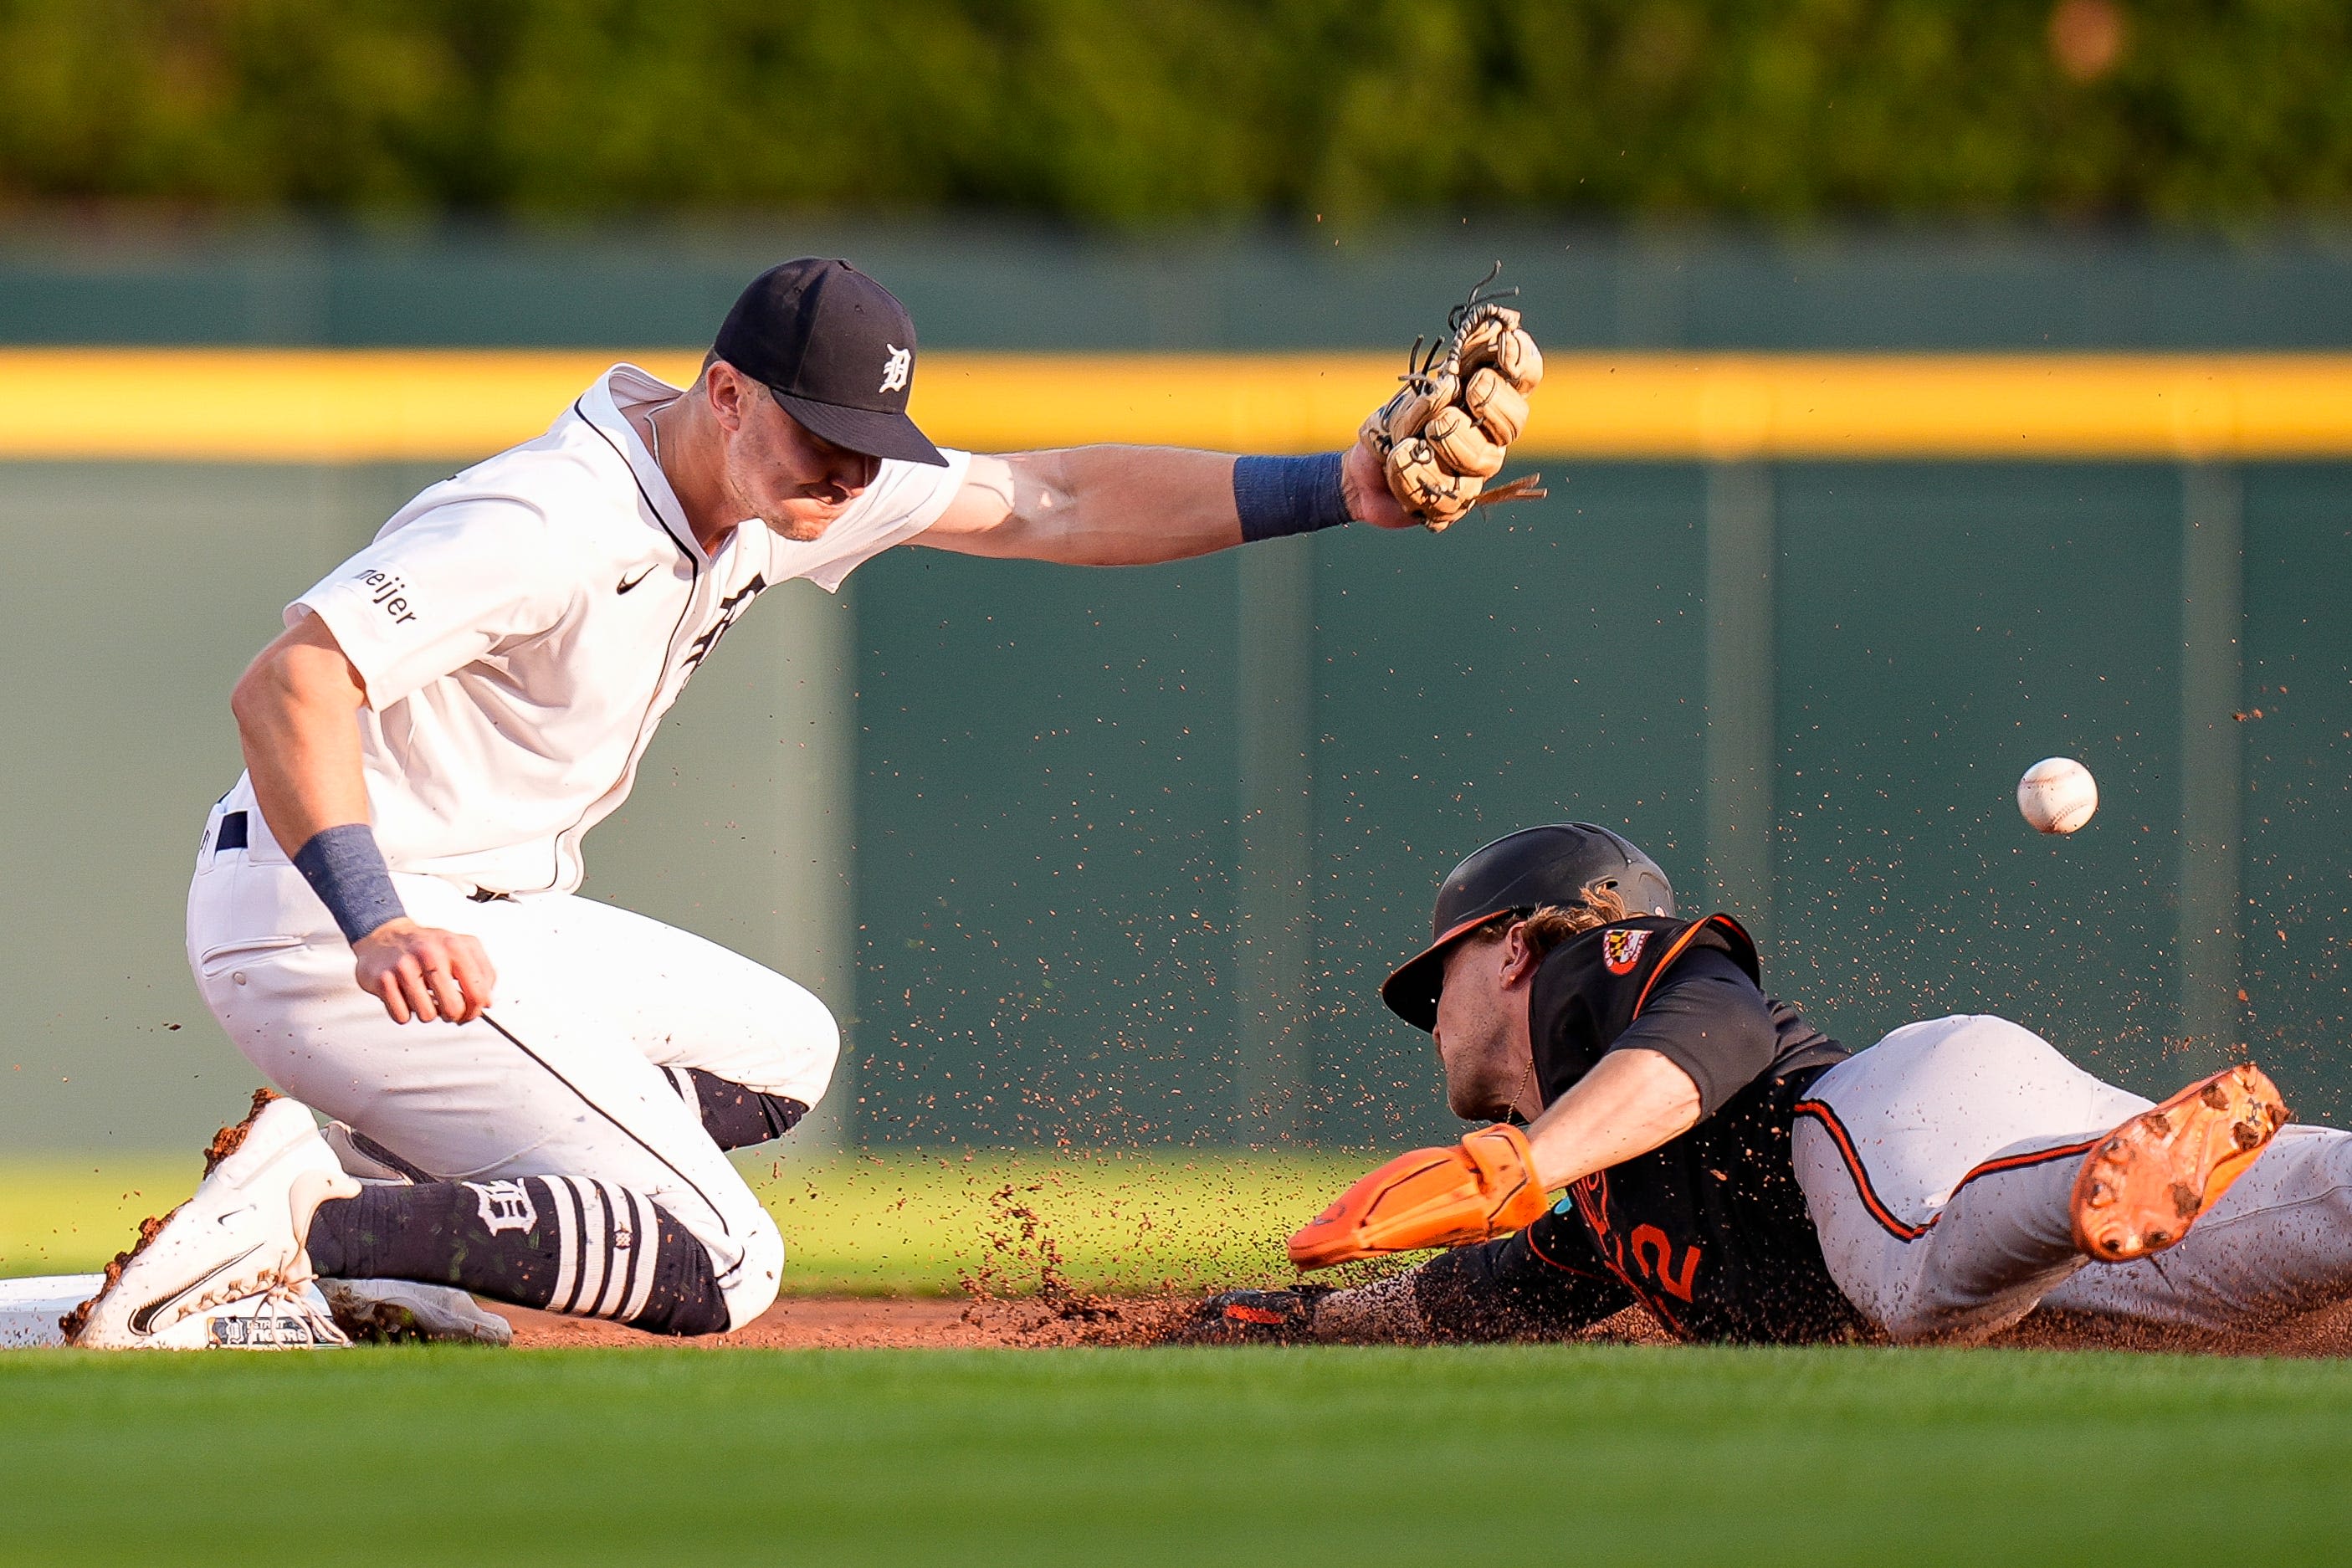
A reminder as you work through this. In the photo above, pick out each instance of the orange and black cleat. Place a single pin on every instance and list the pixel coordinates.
(1278, 1317)
(2144, 1184)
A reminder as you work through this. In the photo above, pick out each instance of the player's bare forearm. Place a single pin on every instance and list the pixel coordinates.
(1632, 1101)
(296, 707)
(1092, 506)
(1118, 506)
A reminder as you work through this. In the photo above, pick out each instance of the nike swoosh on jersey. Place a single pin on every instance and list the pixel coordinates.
(143, 1321)
(628, 583)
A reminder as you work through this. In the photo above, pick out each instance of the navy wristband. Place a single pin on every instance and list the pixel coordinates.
(1277, 496)
(347, 871)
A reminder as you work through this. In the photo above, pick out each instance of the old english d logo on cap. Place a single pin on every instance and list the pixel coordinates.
(837, 349)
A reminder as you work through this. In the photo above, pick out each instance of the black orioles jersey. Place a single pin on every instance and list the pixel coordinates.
(1708, 1230)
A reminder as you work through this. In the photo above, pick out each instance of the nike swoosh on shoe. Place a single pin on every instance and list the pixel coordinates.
(143, 1321)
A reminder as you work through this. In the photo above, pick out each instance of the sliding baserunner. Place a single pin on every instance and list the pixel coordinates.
(1738, 1173)
(540, 1088)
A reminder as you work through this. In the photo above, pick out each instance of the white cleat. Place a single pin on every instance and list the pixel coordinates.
(393, 1311)
(279, 1318)
(227, 1268)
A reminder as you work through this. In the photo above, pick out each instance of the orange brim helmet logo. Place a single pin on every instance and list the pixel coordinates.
(1622, 950)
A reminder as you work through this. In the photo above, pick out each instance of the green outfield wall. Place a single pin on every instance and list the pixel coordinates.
(981, 286)
(1120, 856)
(1087, 816)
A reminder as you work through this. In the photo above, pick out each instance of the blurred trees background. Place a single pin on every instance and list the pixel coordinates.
(2183, 113)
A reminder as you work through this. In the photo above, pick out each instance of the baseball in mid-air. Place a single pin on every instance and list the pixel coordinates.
(2057, 794)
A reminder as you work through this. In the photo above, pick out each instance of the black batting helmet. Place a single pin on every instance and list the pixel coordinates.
(1518, 874)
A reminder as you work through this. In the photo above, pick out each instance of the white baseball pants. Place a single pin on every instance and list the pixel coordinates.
(563, 1077)
(1939, 1166)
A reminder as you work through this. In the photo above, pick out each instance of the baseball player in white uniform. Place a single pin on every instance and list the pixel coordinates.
(384, 914)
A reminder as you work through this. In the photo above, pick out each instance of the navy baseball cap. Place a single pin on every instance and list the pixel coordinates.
(837, 349)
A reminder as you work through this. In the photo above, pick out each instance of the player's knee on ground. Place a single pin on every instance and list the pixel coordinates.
(745, 1248)
(751, 1289)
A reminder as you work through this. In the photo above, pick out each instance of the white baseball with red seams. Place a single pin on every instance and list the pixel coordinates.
(2057, 796)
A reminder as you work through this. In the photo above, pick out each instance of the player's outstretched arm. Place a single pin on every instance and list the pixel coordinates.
(1124, 506)
(1633, 1101)
(295, 707)
(1427, 456)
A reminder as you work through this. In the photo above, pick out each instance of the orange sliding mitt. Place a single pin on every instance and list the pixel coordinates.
(1482, 1188)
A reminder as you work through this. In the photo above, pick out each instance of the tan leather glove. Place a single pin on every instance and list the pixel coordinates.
(1449, 427)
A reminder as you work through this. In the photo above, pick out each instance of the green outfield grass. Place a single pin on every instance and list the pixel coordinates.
(898, 1222)
(1583, 1455)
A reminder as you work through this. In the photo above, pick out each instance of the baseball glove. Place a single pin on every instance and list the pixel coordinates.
(1480, 1188)
(1447, 430)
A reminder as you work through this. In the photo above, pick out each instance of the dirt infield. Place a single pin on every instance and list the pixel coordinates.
(837, 1323)
(2326, 1332)
(855, 1323)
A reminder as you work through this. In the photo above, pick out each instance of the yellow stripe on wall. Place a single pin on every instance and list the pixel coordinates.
(289, 405)
(454, 405)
